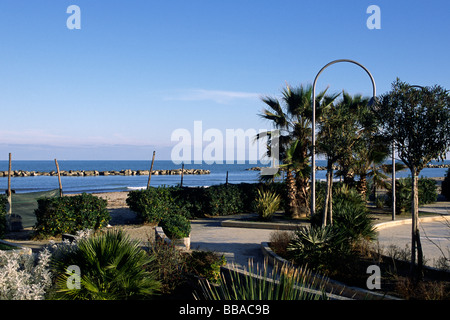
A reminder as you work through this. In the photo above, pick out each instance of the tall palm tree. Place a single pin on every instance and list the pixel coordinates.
(337, 137)
(292, 117)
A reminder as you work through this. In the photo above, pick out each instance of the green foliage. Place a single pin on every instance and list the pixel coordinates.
(3, 223)
(169, 265)
(316, 246)
(285, 283)
(152, 204)
(175, 226)
(69, 214)
(445, 191)
(418, 120)
(427, 193)
(266, 203)
(206, 265)
(112, 268)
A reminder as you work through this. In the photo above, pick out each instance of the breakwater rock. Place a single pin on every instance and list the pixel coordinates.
(87, 173)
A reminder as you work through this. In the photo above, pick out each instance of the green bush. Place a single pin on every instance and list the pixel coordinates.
(445, 187)
(266, 203)
(3, 224)
(223, 200)
(152, 204)
(175, 226)
(70, 214)
(316, 246)
(112, 266)
(206, 265)
(427, 193)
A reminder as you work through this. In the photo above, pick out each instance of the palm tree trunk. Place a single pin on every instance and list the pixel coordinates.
(292, 195)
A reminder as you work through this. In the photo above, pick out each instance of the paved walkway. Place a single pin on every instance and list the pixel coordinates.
(240, 244)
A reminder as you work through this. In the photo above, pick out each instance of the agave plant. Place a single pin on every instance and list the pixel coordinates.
(285, 282)
(267, 202)
(315, 246)
(111, 266)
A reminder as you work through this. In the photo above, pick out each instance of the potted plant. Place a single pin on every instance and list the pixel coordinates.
(178, 229)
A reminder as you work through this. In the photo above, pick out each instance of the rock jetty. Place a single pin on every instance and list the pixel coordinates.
(86, 173)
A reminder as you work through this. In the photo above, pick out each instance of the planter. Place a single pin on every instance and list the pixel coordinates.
(182, 244)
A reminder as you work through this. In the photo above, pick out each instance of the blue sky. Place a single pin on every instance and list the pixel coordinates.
(138, 70)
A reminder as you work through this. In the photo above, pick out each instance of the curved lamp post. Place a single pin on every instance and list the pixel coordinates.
(313, 136)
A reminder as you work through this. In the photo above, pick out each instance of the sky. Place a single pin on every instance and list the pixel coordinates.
(136, 71)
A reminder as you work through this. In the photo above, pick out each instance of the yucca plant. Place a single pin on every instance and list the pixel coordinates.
(112, 267)
(266, 204)
(316, 246)
(283, 283)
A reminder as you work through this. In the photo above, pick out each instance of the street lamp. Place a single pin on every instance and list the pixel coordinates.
(313, 135)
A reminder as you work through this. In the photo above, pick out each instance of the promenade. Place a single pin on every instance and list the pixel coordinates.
(240, 243)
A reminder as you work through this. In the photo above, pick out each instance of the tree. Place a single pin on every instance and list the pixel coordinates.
(417, 120)
(338, 125)
(292, 116)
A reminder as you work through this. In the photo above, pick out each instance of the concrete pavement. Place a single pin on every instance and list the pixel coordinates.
(239, 244)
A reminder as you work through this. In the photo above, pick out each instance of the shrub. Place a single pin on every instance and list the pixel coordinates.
(113, 267)
(316, 246)
(266, 203)
(175, 226)
(223, 200)
(206, 265)
(445, 187)
(152, 204)
(427, 193)
(3, 223)
(353, 223)
(69, 214)
(169, 265)
(23, 276)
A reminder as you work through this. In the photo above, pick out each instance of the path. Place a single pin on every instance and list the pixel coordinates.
(237, 244)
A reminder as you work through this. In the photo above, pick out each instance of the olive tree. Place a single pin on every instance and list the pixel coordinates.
(417, 120)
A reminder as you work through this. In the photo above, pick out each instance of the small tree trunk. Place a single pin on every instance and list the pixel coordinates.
(415, 272)
(292, 195)
(328, 194)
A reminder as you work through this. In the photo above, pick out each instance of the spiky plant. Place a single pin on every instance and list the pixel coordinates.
(267, 202)
(283, 283)
(112, 267)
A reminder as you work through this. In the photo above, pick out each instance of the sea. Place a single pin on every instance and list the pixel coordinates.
(237, 173)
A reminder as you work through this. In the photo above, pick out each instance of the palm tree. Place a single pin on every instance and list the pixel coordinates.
(293, 120)
(338, 135)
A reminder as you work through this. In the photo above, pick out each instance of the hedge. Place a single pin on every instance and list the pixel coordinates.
(69, 214)
(155, 202)
(3, 224)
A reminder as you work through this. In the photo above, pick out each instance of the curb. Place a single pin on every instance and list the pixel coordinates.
(20, 249)
(261, 225)
(388, 224)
